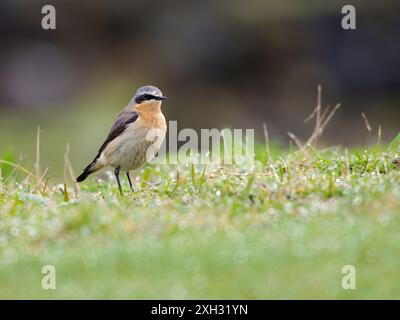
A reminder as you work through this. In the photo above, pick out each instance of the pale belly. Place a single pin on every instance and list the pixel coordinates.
(133, 148)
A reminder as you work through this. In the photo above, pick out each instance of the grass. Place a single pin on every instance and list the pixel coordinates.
(283, 230)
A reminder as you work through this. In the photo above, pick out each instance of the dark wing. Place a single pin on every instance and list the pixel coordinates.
(125, 118)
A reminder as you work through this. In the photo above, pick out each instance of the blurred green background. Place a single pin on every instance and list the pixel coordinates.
(221, 63)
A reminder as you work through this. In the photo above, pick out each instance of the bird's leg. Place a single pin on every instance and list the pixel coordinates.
(116, 172)
(129, 180)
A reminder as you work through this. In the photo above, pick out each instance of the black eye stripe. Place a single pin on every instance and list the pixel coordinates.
(144, 97)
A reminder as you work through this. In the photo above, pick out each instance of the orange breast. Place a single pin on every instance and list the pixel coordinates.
(151, 116)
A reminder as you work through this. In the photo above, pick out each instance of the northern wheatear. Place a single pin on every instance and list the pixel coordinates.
(130, 142)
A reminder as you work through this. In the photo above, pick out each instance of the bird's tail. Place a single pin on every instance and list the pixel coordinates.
(92, 167)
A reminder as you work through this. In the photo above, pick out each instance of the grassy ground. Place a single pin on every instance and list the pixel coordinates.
(284, 230)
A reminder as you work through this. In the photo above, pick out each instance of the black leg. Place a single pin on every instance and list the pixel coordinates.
(129, 180)
(116, 172)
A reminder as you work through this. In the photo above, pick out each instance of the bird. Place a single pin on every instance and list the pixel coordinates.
(135, 137)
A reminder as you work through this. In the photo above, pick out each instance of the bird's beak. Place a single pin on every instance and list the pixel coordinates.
(161, 98)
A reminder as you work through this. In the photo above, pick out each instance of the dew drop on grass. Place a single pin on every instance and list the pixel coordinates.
(158, 202)
(14, 231)
(31, 231)
(303, 211)
(357, 201)
(288, 206)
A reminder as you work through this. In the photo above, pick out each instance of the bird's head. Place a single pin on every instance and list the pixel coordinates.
(148, 96)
